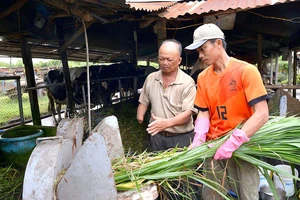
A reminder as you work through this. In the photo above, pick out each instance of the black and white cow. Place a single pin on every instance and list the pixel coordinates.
(57, 94)
(198, 67)
(143, 72)
(119, 72)
(104, 84)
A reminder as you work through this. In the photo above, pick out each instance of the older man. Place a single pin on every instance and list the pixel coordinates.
(171, 93)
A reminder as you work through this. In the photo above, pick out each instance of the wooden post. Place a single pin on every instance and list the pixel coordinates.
(276, 69)
(161, 31)
(27, 60)
(259, 53)
(290, 68)
(134, 55)
(271, 69)
(148, 61)
(64, 59)
(295, 73)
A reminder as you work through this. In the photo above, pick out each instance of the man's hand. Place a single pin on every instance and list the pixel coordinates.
(157, 125)
(237, 138)
(201, 129)
(140, 119)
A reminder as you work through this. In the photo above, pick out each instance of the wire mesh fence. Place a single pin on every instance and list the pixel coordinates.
(14, 104)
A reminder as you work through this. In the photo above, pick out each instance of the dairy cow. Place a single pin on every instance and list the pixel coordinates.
(104, 84)
(57, 94)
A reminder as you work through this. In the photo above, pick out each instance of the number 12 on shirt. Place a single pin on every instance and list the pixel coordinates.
(222, 112)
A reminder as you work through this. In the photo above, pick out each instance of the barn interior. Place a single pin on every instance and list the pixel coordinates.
(118, 30)
(111, 31)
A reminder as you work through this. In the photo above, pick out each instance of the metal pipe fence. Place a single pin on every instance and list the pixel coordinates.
(15, 105)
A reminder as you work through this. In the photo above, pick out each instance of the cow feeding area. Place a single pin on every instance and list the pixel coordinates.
(278, 139)
(133, 136)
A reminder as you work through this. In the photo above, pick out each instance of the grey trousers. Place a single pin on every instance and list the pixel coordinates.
(160, 142)
(241, 177)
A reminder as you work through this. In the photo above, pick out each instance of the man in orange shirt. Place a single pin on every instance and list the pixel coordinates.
(229, 92)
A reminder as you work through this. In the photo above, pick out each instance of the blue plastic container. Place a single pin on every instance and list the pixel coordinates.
(16, 145)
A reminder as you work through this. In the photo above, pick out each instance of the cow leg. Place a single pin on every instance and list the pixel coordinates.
(58, 108)
(51, 107)
(122, 94)
(66, 112)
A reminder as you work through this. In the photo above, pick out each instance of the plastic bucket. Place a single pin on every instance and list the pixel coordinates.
(281, 181)
(262, 180)
(16, 145)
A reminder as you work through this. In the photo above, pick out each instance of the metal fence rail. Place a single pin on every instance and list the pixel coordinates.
(15, 105)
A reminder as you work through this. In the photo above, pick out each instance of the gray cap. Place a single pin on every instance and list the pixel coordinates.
(203, 33)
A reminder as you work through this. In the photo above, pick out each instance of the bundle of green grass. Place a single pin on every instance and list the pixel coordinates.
(278, 139)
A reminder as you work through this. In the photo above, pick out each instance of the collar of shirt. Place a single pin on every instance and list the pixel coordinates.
(179, 77)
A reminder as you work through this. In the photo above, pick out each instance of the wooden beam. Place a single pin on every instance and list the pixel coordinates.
(161, 31)
(276, 68)
(27, 60)
(295, 73)
(242, 41)
(108, 2)
(271, 70)
(134, 59)
(76, 35)
(259, 53)
(64, 59)
(146, 23)
(73, 9)
(282, 86)
(12, 8)
(290, 67)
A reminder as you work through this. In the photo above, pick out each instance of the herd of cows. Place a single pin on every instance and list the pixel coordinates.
(105, 81)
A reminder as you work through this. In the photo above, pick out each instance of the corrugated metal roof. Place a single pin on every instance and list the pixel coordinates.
(200, 7)
(151, 6)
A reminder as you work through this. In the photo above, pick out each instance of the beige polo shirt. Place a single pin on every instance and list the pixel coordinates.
(175, 99)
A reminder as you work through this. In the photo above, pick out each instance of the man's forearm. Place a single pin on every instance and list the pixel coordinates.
(257, 120)
(181, 118)
(141, 112)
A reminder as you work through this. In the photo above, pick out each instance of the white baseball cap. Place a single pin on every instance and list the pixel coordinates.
(203, 33)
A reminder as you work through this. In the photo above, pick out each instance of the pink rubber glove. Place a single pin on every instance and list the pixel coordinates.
(237, 138)
(201, 129)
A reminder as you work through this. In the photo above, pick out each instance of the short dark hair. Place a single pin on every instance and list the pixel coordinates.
(223, 42)
(174, 41)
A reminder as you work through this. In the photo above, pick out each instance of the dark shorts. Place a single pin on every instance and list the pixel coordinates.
(165, 140)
